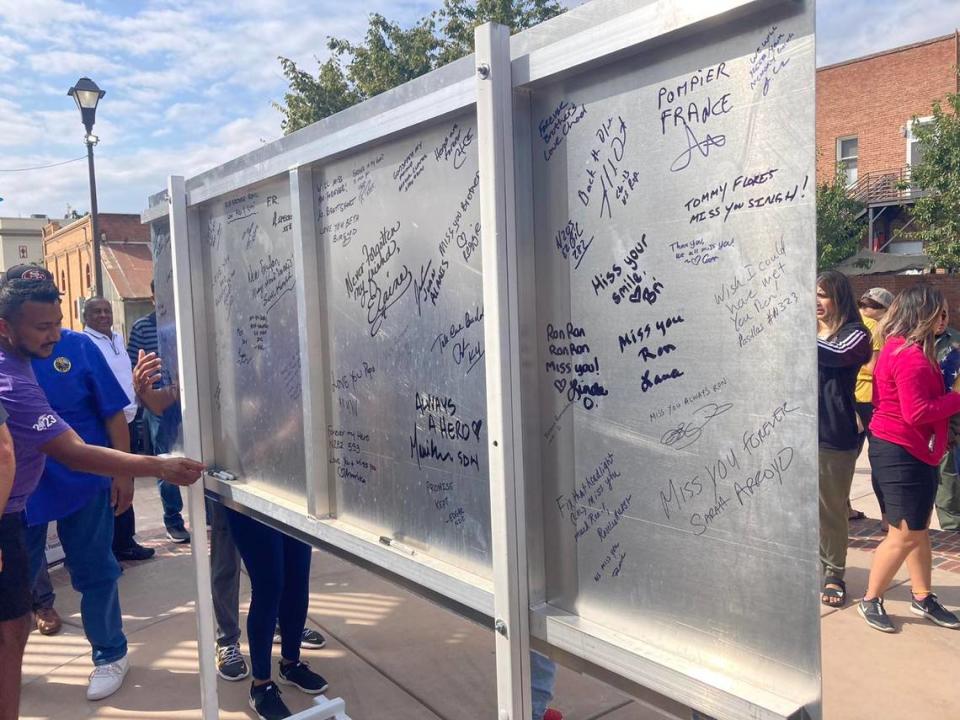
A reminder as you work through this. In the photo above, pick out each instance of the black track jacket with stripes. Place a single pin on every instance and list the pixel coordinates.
(838, 360)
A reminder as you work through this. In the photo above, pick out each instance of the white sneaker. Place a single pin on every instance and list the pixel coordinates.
(105, 680)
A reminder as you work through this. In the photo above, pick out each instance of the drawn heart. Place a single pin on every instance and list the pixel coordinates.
(477, 424)
(560, 384)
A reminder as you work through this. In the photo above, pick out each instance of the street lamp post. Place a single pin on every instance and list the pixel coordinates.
(87, 95)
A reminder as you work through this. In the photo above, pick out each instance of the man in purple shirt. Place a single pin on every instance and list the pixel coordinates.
(30, 320)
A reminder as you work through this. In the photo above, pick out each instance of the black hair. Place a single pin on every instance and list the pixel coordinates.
(14, 293)
(95, 298)
(837, 287)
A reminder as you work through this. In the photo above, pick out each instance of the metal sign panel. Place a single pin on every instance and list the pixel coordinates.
(398, 226)
(249, 282)
(674, 214)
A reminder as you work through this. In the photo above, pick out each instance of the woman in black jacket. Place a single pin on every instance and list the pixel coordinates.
(843, 345)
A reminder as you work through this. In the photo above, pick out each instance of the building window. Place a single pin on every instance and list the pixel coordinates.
(63, 281)
(87, 273)
(847, 152)
(914, 148)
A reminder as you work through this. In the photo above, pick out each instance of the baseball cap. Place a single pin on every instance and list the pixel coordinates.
(878, 295)
(28, 272)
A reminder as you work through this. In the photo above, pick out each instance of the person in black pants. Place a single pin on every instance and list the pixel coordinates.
(279, 570)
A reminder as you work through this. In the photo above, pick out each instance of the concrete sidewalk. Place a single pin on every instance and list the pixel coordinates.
(391, 654)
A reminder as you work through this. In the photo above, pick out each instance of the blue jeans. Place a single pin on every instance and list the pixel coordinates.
(279, 570)
(170, 496)
(543, 678)
(87, 538)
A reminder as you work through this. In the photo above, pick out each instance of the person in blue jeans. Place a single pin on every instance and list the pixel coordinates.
(162, 428)
(82, 389)
(279, 570)
(543, 678)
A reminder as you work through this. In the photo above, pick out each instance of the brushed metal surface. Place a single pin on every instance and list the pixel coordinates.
(247, 248)
(674, 215)
(398, 227)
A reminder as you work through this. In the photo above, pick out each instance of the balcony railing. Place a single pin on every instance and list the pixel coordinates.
(884, 187)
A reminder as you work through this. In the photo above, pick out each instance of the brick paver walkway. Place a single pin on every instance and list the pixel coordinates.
(866, 534)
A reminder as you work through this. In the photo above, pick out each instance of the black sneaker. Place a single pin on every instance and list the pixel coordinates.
(178, 535)
(230, 663)
(300, 675)
(134, 553)
(309, 640)
(872, 611)
(933, 611)
(312, 640)
(266, 703)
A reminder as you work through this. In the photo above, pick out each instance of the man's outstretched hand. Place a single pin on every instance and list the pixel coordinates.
(179, 470)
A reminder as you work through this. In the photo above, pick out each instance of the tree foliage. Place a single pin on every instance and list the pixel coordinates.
(390, 55)
(840, 223)
(938, 212)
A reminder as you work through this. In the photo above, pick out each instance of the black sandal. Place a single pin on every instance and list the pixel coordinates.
(833, 597)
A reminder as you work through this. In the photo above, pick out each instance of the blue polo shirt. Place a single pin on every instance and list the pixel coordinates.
(82, 390)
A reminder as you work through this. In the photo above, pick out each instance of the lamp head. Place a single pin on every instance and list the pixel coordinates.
(87, 95)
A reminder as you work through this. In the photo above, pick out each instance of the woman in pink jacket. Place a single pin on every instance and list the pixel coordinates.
(908, 440)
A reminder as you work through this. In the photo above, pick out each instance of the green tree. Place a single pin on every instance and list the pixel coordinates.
(938, 212)
(840, 222)
(390, 55)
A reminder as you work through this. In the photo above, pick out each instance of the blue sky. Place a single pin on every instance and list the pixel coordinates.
(190, 82)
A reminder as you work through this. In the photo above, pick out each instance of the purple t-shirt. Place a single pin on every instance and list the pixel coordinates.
(32, 423)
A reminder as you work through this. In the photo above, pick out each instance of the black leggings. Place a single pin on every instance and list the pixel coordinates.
(279, 570)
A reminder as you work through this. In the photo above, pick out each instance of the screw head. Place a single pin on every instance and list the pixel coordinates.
(501, 627)
(483, 71)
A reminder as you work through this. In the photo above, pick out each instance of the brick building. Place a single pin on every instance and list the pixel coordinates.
(865, 119)
(865, 111)
(125, 257)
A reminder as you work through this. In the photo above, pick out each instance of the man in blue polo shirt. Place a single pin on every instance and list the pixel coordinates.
(83, 390)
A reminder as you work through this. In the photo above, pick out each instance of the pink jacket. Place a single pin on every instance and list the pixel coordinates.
(911, 407)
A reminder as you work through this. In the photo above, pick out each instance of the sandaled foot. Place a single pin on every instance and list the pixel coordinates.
(857, 515)
(834, 592)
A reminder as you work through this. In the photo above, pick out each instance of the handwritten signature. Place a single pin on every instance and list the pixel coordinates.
(682, 160)
(687, 433)
(382, 299)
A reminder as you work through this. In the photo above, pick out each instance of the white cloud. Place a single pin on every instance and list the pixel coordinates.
(43, 15)
(849, 29)
(65, 62)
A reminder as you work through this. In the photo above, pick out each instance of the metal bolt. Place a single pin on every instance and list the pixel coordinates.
(483, 71)
(501, 627)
